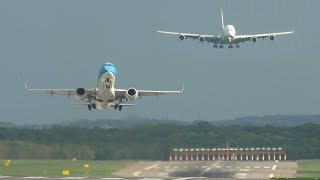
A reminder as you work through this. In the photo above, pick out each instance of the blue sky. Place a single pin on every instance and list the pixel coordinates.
(62, 44)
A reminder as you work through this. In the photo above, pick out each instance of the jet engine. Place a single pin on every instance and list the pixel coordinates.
(131, 94)
(253, 39)
(81, 93)
(272, 38)
(201, 39)
(181, 37)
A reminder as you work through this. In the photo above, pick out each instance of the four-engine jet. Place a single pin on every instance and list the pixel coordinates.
(228, 36)
(105, 93)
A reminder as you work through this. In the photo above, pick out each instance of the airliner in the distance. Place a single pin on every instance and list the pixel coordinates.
(227, 36)
(105, 93)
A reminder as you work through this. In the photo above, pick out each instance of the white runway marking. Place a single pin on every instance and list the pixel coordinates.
(34, 177)
(170, 170)
(74, 178)
(4, 177)
(266, 167)
(246, 170)
(137, 173)
(274, 167)
(150, 167)
(186, 178)
(257, 167)
(228, 167)
(112, 178)
(271, 176)
(206, 170)
(204, 167)
(218, 166)
(241, 174)
(248, 167)
(151, 179)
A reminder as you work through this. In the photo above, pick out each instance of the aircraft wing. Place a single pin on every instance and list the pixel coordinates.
(121, 93)
(208, 38)
(247, 37)
(91, 93)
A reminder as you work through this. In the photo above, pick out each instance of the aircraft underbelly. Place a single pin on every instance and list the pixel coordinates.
(105, 93)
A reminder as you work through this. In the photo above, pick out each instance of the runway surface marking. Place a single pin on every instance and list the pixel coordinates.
(35, 177)
(208, 168)
(4, 177)
(241, 175)
(186, 178)
(170, 170)
(112, 178)
(150, 167)
(246, 170)
(266, 167)
(136, 173)
(74, 178)
(218, 166)
(248, 167)
(274, 167)
(228, 167)
(257, 167)
(271, 176)
(151, 179)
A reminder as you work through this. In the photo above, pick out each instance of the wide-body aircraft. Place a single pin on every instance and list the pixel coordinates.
(105, 93)
(227, 36)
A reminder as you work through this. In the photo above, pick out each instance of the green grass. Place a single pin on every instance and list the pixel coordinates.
(309, 168)
(55, 168)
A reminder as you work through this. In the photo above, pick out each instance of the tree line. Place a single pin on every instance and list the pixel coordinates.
(152, 141)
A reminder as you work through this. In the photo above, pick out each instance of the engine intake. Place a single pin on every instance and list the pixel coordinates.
(181, 37)
(131, 94)
(201, 39)
(272, 38)
(253, 39)
(81, 93)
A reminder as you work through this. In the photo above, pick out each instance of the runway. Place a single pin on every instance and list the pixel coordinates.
(191, 170)
(210, 169)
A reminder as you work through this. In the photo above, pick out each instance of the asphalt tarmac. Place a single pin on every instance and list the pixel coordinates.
(185, 170)
(211, 169)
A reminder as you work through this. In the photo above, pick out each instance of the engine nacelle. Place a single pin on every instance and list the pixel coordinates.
(272, 38)
(201, 39)
(181, 37)
(253, 39)
(131, 94)
(81, 93)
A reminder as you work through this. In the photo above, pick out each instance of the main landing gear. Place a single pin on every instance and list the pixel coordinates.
(118, 106)
(230, 46)
(91, 105)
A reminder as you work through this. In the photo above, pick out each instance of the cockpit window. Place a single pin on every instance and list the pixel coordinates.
(108, 64)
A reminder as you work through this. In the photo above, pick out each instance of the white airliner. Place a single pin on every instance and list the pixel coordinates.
(105, 93)
(227, 36)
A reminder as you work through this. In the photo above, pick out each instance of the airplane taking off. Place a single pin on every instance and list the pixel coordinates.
(105, 93)
(227, 36)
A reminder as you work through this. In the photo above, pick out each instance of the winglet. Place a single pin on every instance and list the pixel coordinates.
(182, 88)
(25, 84)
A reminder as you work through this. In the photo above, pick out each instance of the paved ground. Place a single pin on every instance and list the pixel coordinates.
(156, 170)
(211, 169)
